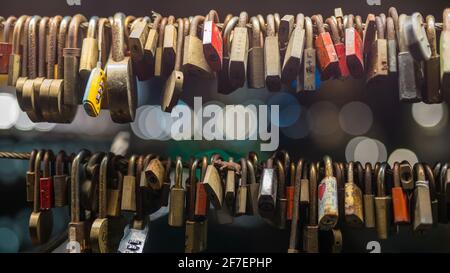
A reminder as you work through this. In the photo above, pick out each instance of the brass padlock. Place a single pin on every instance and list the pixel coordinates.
(169, 50)
(78, 227)
(89, 49)
(293, 239)
(328, 198)
(174, 84)
(382, 204)
(311, 230)
(224, 85)
(267, 196)
(354, 215)
(43, 44)
(272, 65)
(308, 72)
(114, 190)
(151, 44)
(378, 66)
(159, 48)
(433, 194)
(242, 193)
(194, 62)
(416, 37)
(423, 215)
(432, 91)
(255, 75)
(239, 53)
(41, 221)
(122, 96)
(445, 52)
(30, 176)
(61, 180)
(136, 44)
(294, 50)
(164, 192)
(230, 186)
(177, 197)
(213, 186)
(17, 55)
(253, 190)
(52, 49)
(154, 174)
(129, 186)
(61, 40)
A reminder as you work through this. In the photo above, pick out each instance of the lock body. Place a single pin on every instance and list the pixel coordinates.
(272, 69)
(46, 193)
(326, 53)
(328, 203)
(354, 215)
(212, 45)
(255, 75)
(60, 186)
(353, 53)
(128, 202)
(194, 62)
(382, 212)
(293, 57)
(176, 212)
(95, 89)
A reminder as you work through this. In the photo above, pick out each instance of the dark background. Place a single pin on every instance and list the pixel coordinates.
(393, 126)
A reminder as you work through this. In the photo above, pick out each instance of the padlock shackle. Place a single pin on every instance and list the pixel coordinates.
(394, 15)
(300, 21)
(79, 159)
(62, 43)
(131, 170)
(103, 41)
(48, 161)
(33, 46)
(383, 18)
(128, 22)
(420, 172)
(17, 33)
(271, 32)
(403, 47)
(277, 19)
(359, 26)
(292, 174)
(334, 31)
(328, 164)
(283, 156)
(186, 26)
(309, 33)
(281, 171)
(178, 173)
(256, 33)
(105, 173)
(198, 19)
(446, 20)
(299, 170)
(204, 166)
(262, 23)
(360, 171)
(147, 160)
(55, 22)
(350, 178)
(316, 19)
(380, 28)
(243, 19)
(441, 183)
(118, 37)
(171, 20)
(368, 179)
(432, 181)
(8, 28)
(192, 189)
(350, 21)
(37, 178)
(43, 31)
(390, 29)
(396, 175)
(156, 21)
(92, 27)
(74, 27)
(251, 171)
(180, 39)
(313, 194)
(213, 16)
(162, 27)
(340, 174)
(60, 163)
(381, 180)
(32, 160)
(244, 172)
(167, 167)
(431, 35)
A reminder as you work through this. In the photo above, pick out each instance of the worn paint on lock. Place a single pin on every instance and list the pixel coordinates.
(353, 200)
(46, 193)
(95, 88)
(328, 202)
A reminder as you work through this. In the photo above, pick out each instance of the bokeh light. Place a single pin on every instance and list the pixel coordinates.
(370, 151)
(23, 122)
(10, 111)
(428, 115)
(289, 108)
(9, 242)
(356, 118)
(300, 128)
(403, 154)
(323, 118)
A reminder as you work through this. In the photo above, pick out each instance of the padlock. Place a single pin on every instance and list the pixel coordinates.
(369, 198)
(61, 180)
(30, 176)
(423, 215)
(114, 190)
(164, 192)
(392, 47)
(25, 48)
(194, 62)
(311, 229)
(223, 214)
(212, 41)
(295, 210)
(16, 57)
(61, 40)
(369, 34)
(328, 198)
(177, 197)
(41, 221)
(445, 52)
(281, 204)
(326, 53)
(253, 189)
(46, 182)
(290, 187)
(6, 49)
(224, 85)
(150, 46)
(309, 77)
(409, 81)
(354, 215)
(159, 48)
(72, 54)
(272, 69)
(255, 71)
(267, 196)
(174, 84)
(382, 204)
(122, 93)
(95, 93)
(406, 176)
(339, 47)
(89, 49)
(129, 187)
(213, 186)
(416, 37)
(89, 185)
(399, 199)
(441, 194)
(378, 66)
(136, 44)
(353, 50)
(295, 47)
(432, 91)
(339, 171)
(239, 53)
(433, 196)
(285, 29)
(230, 186)
(78, 227)
(169, 49)
(52, 48)
(201, 197)
(154, 174)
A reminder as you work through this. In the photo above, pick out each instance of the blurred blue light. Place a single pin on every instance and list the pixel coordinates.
(289, 108)
(9, 242)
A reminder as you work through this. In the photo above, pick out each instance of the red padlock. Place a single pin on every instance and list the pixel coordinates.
(212, 41)
(339, 46)
(328, 59)
(399, 199)
(46, 182)
(353, 49)
(6, 46)
(201, 197)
